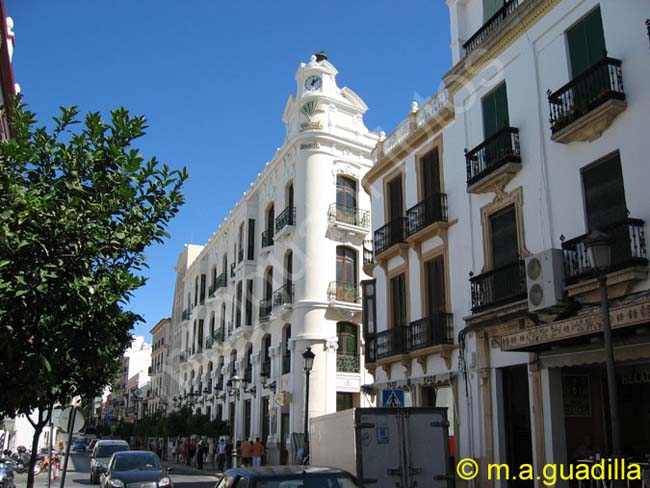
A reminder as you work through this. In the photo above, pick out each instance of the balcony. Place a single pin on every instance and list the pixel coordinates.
(283, 296)
(492, 25)
(209, 341)
(431, 331)
(341, 291)
(219, 335)
(347, 363)
(427, 212)
(267, 238)
(350, 218)
(497, 159)
(628, 249)
(285, 220)
(248, 375)
(389, 235)
(219, 282)
(265, 308)
(499, 286)
(585, 107)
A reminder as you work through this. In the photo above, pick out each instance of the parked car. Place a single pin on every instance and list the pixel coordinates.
(101, 455)
(135, 468)
(79, 446)
(287, 477)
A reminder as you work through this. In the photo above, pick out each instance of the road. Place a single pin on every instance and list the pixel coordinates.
(79, 476)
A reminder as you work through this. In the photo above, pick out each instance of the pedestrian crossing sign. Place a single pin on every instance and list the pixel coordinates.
(392, 398)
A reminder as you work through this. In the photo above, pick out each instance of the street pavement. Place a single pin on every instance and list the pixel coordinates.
(79, 476)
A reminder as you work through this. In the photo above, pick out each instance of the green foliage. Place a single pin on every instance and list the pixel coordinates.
(180, 423)
(79, 205)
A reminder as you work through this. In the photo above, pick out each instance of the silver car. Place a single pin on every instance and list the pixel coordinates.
(101, 454)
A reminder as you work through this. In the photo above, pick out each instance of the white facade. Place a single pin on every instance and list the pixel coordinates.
(510, 370)
(264, 288)
(160, 374)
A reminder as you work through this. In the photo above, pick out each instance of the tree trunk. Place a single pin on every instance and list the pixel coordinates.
(38, 429)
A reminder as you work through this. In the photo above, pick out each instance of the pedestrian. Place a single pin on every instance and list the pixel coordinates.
(246, 452)
(221, 454)
(186, 452)
(258, 452)
(229, 454)
(200, 453)
(192, 452)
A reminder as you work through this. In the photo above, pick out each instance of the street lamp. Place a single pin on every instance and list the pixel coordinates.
(232, 386)
(599, 253)
(264, 378)
(308, 356)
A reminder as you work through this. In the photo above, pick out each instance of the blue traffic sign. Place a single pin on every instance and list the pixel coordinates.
(392, 398)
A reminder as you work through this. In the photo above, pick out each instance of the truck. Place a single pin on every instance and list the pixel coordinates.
(386, 447)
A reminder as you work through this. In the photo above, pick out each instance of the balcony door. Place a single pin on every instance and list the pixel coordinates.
(436, 300)
(346, 192)
(398, 300)
(491, 7)
(503, 237)
(270, 221)
(395, 199)
(495, 111)
(586, 42)
(346, 265)
(430, 175)
(268, 284)
(604, 194)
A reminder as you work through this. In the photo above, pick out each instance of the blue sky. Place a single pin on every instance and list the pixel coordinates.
(213, 77)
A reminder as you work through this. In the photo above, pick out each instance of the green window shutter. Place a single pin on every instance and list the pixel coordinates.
(586, 42)
(491, 7)
(495, 111)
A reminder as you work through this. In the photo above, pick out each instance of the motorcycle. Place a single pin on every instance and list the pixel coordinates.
(6, 474)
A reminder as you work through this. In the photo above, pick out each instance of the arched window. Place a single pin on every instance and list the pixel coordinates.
(233, 360)
(194, 337)
(270, 220)
(223, 319)
(196, 290)
(224, 261)
(248, 366)
(240, 255)
(212, 326)
(267, 294)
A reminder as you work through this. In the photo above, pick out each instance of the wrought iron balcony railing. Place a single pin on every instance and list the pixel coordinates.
(499, 286)
(219, 335)
(347, 363)
(490, 26)
(287, 217)
(267, 238)
(342, 291)
(595, 86)
(499, 149)
(368, 256)
(265, 308)
(220, 282)
(283, 295)
(349, 215)
(628, 248)
(390, 234)
(428, 211)
(431, 331)
(391, 342)
(209, 341)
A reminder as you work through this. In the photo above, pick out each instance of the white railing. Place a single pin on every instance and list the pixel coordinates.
(419, 117)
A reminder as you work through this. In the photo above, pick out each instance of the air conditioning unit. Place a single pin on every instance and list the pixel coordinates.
(545, 280)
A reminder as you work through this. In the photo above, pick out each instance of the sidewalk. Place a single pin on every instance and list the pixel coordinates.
(178, 468)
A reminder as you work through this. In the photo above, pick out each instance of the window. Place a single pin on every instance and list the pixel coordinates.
(604, 193)
(491, 7)
(286, 356)
(503, 236)
(223, 316)
(348, 343)
(495, 111)
(266, 356)
(346, 192)
(239, 302)
(289, 193)
(398, 300)
(212, 324)
(203, 279)
(586, 42)
(344, 401)
(200, 336)
(369, 305)
(194, 337)
(224, 260)
(196, 291)
(346, 265)
(395, 198)
(251, 239)
(249, 302)
(268, 284)
(240, 241)
(430, 174)
(435, 286)
(270, 221)
(288, 270)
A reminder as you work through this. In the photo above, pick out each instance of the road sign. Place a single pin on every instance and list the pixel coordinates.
(64, 418)
(392, 398)
(137, 393)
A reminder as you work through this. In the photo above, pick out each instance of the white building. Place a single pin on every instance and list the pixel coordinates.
(281, 274)
(521, 367)
(160, 374)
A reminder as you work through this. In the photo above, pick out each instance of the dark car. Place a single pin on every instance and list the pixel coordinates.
(287, 477)
(135, 468)
(79, 446)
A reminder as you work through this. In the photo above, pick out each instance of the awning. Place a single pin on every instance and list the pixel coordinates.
(443, 379)
(625, 349)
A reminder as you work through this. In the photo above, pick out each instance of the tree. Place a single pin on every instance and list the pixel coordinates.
(78, 208)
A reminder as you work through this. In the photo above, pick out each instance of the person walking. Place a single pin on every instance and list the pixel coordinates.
(246, 452)
(258, 452)
(221, 455)
(229, 448)
(192, 452)
(200, 453)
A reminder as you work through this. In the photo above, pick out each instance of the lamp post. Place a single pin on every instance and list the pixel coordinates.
(308, 356)
(600, 256)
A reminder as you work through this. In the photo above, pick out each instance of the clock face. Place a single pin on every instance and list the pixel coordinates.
(313, 83)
